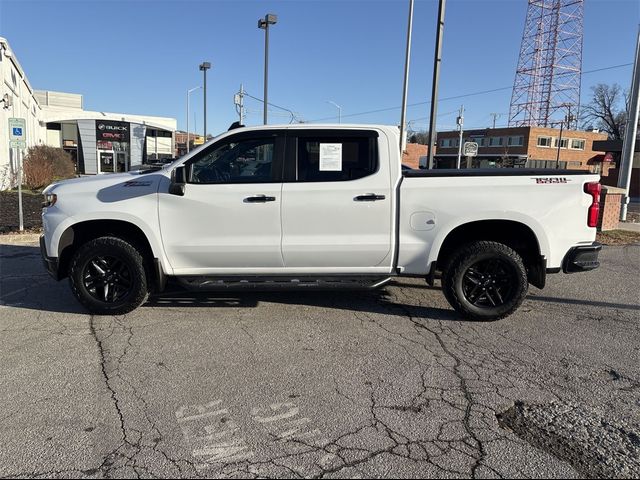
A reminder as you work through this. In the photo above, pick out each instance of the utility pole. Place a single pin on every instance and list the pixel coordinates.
(568, 118)
(495, 116)
(559, 144)
(460, 123)
(405, 88)
(630, 132)
(436, 78)
(238, 99)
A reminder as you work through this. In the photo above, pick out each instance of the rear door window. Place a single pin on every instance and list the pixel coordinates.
(335, 158)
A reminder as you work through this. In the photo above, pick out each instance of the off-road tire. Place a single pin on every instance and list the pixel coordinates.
(132, 263)
(473, 263)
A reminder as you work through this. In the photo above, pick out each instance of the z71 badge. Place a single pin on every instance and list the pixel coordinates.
(137, 183)
(551, 179)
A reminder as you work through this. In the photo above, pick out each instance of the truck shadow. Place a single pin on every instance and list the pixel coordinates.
(25, 284)
(365, 301)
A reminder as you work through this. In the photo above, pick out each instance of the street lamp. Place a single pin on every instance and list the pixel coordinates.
(189, 93)
(204, 66)
(263, 23)
(339, 110)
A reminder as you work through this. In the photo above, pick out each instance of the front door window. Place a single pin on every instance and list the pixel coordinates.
(244, 161)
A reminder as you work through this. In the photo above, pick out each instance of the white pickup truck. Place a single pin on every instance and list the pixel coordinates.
(325, 206)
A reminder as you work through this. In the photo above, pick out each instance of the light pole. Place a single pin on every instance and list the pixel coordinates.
(263, 23)
(339, 109)
(630, 133)
(405, 89)
(204, 66)
(437, 59)
(189, 93)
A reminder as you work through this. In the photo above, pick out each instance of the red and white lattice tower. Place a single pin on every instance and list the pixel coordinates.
(547, 83)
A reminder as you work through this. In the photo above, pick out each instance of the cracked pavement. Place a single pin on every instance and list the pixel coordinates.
(321, 384)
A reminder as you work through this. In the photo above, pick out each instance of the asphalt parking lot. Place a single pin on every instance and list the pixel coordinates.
(321, 384)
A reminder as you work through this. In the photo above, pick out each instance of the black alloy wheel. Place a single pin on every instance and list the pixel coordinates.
(489, 283)
(108, 276)
(485, 281)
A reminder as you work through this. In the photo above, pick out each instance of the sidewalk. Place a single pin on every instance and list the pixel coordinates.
(19, 238)
(629, 226)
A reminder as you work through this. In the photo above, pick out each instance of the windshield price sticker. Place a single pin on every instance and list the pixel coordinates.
(330, 157)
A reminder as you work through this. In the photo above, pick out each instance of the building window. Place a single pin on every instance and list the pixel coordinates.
(577, 144)
(544, 141)
(516, 141)
(564, 143)
(477, 140)
(448, 142)
(496, 141)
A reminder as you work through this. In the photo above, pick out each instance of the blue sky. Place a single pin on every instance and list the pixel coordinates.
(141, 56)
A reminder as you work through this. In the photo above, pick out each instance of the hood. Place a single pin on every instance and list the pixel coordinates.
(97, 182)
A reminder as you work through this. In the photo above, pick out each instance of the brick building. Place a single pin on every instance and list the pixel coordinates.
(614, 149)
(181, 142)
(412, 153)
(533, 147)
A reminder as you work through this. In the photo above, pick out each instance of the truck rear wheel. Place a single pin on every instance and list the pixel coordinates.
(485, 281)
(108, 277)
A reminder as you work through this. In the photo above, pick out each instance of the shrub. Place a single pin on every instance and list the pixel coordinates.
(42, 165)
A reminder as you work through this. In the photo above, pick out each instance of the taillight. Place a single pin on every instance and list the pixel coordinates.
(593, 189)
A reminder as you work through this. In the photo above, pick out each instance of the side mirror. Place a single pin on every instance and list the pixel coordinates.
(178, 182)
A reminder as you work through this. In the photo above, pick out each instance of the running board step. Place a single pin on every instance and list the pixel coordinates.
(281, 283)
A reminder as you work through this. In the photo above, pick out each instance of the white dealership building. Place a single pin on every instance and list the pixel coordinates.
(98, 142)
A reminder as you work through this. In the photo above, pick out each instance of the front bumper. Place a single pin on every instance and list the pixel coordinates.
(582, 258)
(50, 263)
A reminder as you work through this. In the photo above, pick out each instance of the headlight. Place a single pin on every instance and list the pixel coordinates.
(50, 200)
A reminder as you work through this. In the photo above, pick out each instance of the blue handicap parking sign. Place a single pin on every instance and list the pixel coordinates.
(17, 131)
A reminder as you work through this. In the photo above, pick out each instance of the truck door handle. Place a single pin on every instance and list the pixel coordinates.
(368, 197)
(259, 199)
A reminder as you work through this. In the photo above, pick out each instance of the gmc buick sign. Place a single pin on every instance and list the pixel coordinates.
(113, 131)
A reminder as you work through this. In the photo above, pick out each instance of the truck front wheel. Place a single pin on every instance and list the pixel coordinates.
(108, 277)
(485, 281)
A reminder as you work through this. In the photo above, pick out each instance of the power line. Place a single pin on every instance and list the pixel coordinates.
(291, 112)
(464, 95)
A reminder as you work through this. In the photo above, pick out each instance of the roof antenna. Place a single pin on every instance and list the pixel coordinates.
(235, 125)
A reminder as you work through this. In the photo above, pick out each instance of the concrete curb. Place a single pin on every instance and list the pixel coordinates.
(19, 238)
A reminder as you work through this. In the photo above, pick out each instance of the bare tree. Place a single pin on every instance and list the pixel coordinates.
(604, 110)
(419, 137)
